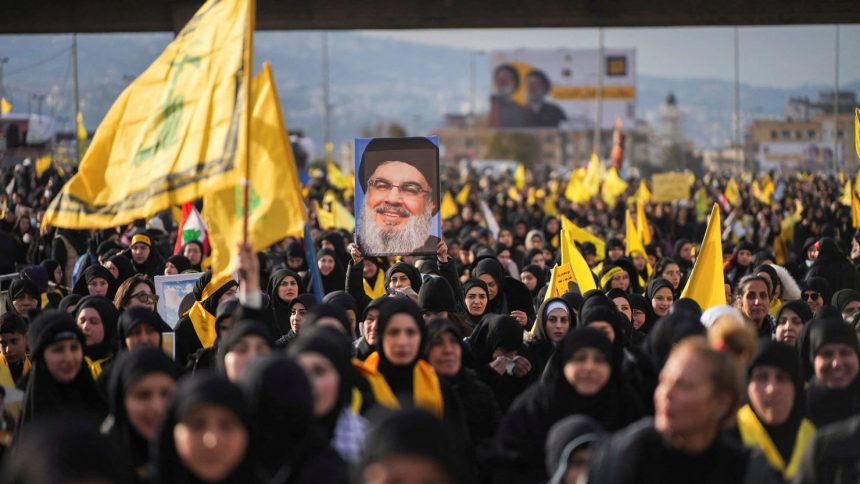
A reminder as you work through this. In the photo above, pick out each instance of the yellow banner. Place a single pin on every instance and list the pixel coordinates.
(276, 209)
(170, 137)
(670, 187)
(578, 93)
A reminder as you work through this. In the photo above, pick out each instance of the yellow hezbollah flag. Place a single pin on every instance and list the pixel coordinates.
(855, 211)
(581, 235)
(42, 164)
(5, 106)
(643, 194)
(575, 191)
(520, 176)
(593, 175)
(275, 206)
(170, 136)
(338, 179)
(845, 199)
(571, 255)
(732, 193)
(642, 223)
(449, 207)
(857, 131)
(463, 194)
(613, 187)
(705, 285)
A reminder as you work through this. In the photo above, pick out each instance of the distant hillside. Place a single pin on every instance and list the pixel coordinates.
(372, 80)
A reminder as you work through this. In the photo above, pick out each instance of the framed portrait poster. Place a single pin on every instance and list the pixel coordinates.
(170, 291)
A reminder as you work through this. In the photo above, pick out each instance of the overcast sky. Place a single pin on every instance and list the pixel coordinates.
(769, 56)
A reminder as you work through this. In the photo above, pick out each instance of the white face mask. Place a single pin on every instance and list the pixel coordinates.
(808, 263)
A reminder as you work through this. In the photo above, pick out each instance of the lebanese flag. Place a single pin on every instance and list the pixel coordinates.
(191, 228)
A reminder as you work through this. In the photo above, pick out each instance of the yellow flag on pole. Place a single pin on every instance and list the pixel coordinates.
(732, 193)
(81, 133)
(857, 131)
(706, 285)
(613, 187)
(845, 199)
(855, 211)
(643, 194)
(448, 207)
(571, 255)
(642, 223)
(593, 175)
(5, 106)
(633, 242)
(520, 176)
(42, 164)
(581, 235)
(276, 209)
(463, 194)
(170, 137)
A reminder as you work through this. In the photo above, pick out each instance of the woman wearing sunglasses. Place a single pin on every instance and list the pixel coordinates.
(139, 291)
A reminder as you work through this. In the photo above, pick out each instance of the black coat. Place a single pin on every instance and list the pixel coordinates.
(833, 266)
(833, 455)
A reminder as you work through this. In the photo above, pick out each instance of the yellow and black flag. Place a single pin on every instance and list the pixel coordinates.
(171, 136)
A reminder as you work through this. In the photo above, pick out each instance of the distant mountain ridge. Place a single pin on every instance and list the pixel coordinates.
(372, 80)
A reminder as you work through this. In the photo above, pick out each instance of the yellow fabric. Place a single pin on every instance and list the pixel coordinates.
(732, 193)
(141, 239)
(81, 133)
(613, 187)
(857, 134)
(338, 178)
(754, 435)
(549, 207)
(520, 176)
(706, 283)
(606, 278)
(276, 209)
(643, 194)
(581, 235)
(575, 191)
(593, 175)
(42, 164)
(571, 255)
(463, 194)
(96, 365)
(633, 242)
(448, 207)
(6, 380)
(170, 136)
(378, 289)
(5, 106)
(845, 199)
(775, 303)
(642, 223)
(855, 211)
(427, 392)
(514, 195)
(202, 320)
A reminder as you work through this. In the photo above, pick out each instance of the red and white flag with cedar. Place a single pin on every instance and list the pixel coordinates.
(191, 228)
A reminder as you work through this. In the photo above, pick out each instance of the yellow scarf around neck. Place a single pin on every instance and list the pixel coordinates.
(427, 391)
(202, 320)
(754, 435)
(378, 289)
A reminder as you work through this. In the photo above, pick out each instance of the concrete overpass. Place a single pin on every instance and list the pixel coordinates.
(91, 16)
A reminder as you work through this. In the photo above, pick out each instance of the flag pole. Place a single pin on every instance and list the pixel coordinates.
(247, 71)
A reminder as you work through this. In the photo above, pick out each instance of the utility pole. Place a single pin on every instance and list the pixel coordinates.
(329, 147)
(598, 99)
(737, 109)
(836, 105)
(3, 60)
(78, 147)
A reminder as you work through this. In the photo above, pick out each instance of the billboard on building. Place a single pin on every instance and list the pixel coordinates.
(795, 156)
(558, 88)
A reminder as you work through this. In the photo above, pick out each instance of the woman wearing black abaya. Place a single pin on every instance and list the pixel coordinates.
(194, 252)
(534, 278)
(196, 329)
(555, 318)
(332, 273)
(289, 444)
(834, 392)
(498, 356)
(507, 295)
(325, 353)
(96, 281)
(834, 267)
(284, 286)
(477, 298)
(142, 384)
(186, 450)
(177, 264)
(121, 268)
(585, 382)
(97, 318)
(144, 256)
(58, 379)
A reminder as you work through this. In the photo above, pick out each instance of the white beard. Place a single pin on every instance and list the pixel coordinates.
(380, 239)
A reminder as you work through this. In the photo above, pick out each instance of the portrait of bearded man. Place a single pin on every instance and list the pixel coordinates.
(399, 177)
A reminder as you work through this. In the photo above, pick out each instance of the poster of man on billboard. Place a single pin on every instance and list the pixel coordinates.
(397, 208)
(558, 88)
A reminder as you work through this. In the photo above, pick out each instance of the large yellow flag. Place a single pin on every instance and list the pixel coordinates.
(276, 209)
(706, 285)
(642, 223)
(581, 235)
(5, 106)
(449, 208)
(571, 255)
(171, 135)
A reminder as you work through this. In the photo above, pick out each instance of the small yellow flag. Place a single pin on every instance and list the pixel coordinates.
(845, 199)
(732, 193)
(857, 131)
(575, 191)
(42, 164)
(514, 194)
(463, 195)
(706, 285)
(593, 175)
(613, 187)
(520, 176)
(643, 194)
(855, 211)
(449, 207)
(642, 223)
(275, 206)
(339, 179)
(570, 255)
(5, 106)
(581, 235)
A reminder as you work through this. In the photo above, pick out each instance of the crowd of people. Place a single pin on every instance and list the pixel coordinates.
(320, 364)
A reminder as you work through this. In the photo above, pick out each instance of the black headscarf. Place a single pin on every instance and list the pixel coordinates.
(69, 301)
(124, 266)
(151, 264)
(399, 377)
(211, 303)
(495, 331)
(130, 367)
(107, 311)
(180, 262)
(336, 279)
(134, 316)
(566, 437)
(843, 297)
(204, 388)
(410, 271)
(199, 244)
(42, 393)
(94, 272)
(481, 284)
(280, 308)
(239, 330)
(326, 310)
(799, 307)
(341, 300)
(20, 287)
(616, 320)
(784, 357)
(294, 250)
(437, 295)
(539, 274)
(336, 348)
(667, 332)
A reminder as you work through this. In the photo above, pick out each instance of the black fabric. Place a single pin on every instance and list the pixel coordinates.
(20, 287)
(410, 271)
(326, 310)
(832, 455)
(133, 316)
(108, 313)
(124, 266)
(399, 377)
(203, 389)
(94, 272)
(667, 332)
(180, 262)
(799, 307)
(540, 348)
(829, 405)
(568, 435)
(843, 297)
(834, 266)
(290, 445)
(153, 263)
(336, 279)
(69, 301)
(239, 330)
(199, 244)
(44, 395)
(437, 295)
(280, 308)
(129, 368)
